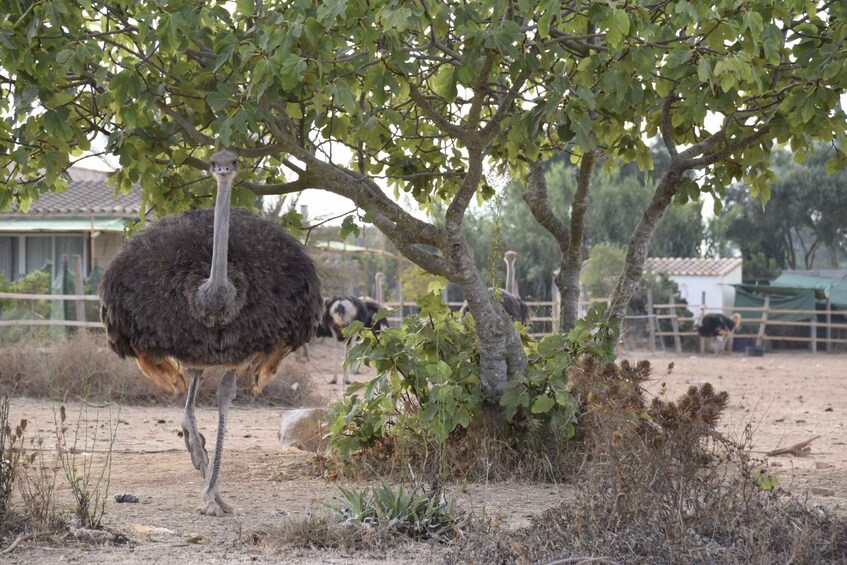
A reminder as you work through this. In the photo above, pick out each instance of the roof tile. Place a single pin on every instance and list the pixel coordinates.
(681, 266)
(88, 197)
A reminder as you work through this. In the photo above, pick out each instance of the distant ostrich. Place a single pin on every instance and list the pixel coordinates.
(183, 295)
(514, 306)
(511, 300)
(719, 326)
(340, 312)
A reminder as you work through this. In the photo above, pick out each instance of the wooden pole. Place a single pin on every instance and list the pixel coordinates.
(828, 325)
(677, 341)
(76, 266)
(813, 330)
(760, 338)
(702, 313)
(651, 320)
(378, 294)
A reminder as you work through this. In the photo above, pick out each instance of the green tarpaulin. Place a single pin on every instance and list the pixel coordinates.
(833, 288)
(781, 298)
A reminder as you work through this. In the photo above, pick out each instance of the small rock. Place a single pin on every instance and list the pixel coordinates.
(126, 497)
(302, 428)
(828, 409)
(822, 491)
(161, 422)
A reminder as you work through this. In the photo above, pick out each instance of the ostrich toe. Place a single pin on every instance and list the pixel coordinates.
(217, 507)
(195, 443)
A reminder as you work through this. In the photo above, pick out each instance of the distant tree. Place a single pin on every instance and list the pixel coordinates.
(807, 214)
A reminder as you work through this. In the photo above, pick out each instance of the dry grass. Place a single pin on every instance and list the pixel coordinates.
(662, 486)
(83, 366)
(490, 450)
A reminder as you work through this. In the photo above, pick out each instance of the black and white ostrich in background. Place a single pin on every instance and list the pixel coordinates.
(720, 327)
(509, 297)
(340, 312)
(184, 294)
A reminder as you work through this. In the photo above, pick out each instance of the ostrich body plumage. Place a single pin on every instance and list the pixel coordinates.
(149, 292)
(516, 308)
(341, 311)
(714, 325)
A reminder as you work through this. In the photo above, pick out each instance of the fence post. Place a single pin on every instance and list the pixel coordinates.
(677, 341)
(760, 337)
(702, 313)
(651, 328)
(76, 267)
(828, 324)
(814, 331)
(379, 296)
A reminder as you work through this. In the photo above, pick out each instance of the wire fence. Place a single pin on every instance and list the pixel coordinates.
(668, 327)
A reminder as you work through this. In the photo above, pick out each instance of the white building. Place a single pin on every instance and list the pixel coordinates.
(712, 278)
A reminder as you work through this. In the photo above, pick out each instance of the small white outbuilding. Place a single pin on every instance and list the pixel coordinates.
(714, 277)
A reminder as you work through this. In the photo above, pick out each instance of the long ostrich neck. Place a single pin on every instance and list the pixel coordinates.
(220, 240)
(510, 277)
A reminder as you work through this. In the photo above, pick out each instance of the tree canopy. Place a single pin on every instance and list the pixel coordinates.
(344, 95)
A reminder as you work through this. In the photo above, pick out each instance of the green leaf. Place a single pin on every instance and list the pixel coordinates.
(542, 404)
(444, 83)
(245, 7)
(349, 226)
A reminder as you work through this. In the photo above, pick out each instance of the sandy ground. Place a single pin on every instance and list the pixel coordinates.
(784, 398)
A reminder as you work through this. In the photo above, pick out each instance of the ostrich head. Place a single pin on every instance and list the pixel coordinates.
(223, 165)
(736, 319)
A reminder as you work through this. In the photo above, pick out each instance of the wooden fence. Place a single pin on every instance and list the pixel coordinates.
(664, 327)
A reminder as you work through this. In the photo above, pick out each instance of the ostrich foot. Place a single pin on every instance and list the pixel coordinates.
(196, 445)
(217, 507)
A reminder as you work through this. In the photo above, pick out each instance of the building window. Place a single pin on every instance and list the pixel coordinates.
(9, 256)
(23, 254)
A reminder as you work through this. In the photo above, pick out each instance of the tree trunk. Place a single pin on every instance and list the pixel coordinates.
(636, 254)
(500, 349)
(572, 257)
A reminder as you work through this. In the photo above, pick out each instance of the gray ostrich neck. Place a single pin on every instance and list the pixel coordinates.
(510, 277)
(220, 240)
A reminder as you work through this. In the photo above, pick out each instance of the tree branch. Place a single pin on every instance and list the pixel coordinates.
(667, 128)
(443, 123)
(535, 196)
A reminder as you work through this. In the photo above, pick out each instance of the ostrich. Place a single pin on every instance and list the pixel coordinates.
(511, 300)
(184, 294)
(516, 308)
(340, 312)
(719, 326)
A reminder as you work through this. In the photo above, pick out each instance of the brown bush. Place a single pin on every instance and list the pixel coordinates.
(661, 485)
(83, 366)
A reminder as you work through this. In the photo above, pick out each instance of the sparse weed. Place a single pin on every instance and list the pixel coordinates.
(89, 480)
(37, 484)
(11, 442)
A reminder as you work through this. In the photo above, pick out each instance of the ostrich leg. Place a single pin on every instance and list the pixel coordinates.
(195, 443)
(215, 506)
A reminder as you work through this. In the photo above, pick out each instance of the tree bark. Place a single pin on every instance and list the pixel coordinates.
(570, 240)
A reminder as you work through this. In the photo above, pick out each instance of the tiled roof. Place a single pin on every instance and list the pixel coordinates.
(681, 266)
(90, 196)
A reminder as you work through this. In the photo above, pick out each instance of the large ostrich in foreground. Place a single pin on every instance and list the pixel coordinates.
(719, 326)
(183, 295)
(340, 312)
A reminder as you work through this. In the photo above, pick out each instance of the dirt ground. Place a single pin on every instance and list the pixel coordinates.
(784, 398)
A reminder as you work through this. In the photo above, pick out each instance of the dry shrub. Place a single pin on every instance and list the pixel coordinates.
(661, 485)
(83, 366)
(489, 450)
